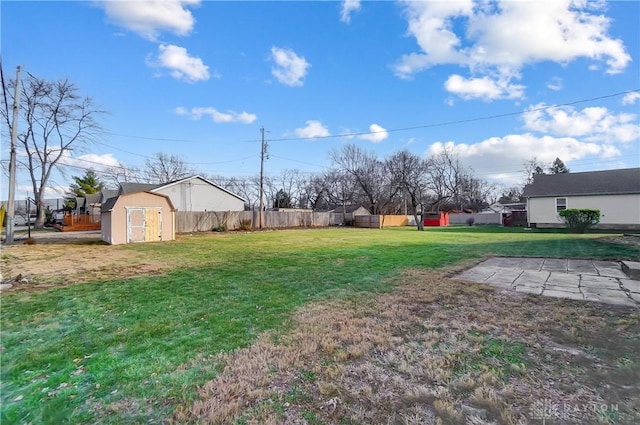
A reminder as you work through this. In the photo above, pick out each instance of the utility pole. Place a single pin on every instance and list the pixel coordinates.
(12, 161)
(263, 152)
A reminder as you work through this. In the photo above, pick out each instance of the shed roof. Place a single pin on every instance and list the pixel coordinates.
(107, 193)
(136, 187)
(607, 182)
(111, 202)
(108, 204)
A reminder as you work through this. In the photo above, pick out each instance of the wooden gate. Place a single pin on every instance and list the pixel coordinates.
(144, 224)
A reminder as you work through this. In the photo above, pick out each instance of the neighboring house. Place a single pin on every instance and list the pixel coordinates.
(91, 203)
(507, 208)
(191, 194)
(138, 217)
(616, 193)
(106, 194)
(345, 214)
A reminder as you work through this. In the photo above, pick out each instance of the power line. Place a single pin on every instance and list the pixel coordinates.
(462, 121)
(393, 130)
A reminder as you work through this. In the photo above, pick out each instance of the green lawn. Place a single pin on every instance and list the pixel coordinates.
(131, 351)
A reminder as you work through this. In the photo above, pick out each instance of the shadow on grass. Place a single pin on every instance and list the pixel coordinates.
(121, 349)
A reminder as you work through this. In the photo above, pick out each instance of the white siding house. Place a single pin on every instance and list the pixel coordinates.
(199, 194)
(192, 194)
(616, 193)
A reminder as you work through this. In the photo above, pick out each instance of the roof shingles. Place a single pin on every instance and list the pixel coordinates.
(608, 182)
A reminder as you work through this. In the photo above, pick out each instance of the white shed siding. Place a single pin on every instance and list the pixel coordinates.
(198, 195)
(614, 209)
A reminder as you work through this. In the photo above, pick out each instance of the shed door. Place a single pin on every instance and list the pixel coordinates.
(144, 224)
(153, 219)
(135, 225)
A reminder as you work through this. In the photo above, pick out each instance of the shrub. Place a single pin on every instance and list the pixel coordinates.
(579, 220)
(220, 228)
(246, 225)
(470, 221)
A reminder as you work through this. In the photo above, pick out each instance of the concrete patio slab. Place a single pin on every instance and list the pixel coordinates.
(479, 272)
(609, 269)
(631, 269)
(581, 266)
(631, 285)
(504, 275)
(628, 302)
(563, 294)
(536, 290)
(555, 265)
(605, 292)
(532, 278)
(563, 279)
(573, 289)
(597, 281)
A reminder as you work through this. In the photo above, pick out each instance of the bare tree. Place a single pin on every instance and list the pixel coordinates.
(369, 173)
(510, 195)
(243, 187)
(410, 173)
(315, 191)
(287, 182)
(122, 173)
(54, 121)
(165, 168)
(532, 167)
(445, 177)
(475, 193)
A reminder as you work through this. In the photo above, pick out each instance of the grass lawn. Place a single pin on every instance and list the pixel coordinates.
(155, 348)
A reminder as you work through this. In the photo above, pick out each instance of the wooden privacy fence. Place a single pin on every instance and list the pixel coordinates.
(380, 221)
(187, 222)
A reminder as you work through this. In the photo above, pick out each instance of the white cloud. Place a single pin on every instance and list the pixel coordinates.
(313, 129)
(348, 7)
(555, 84)
(217, 116)
(483, 88)
(594, 124)
(495, 155)
(630, 98)
(150, 17)
(91, 160)
(376, 134)
(501, 37)
(289, 68)
(181, 66)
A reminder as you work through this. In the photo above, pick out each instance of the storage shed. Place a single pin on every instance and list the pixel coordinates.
(438, 218)
(138, 217)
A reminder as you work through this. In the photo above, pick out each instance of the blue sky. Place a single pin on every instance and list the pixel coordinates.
(200, 78)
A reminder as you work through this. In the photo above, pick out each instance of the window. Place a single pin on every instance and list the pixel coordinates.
(561, 204)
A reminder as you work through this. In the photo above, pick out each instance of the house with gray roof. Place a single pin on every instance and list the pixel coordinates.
(193, 193)
(616, 193)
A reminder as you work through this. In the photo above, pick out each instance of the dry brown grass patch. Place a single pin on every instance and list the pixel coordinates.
(51, 265)
(435, 350)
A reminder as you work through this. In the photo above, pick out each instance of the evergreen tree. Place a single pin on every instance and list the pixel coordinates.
(85, 185)
(282, 200)
(558, 167)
